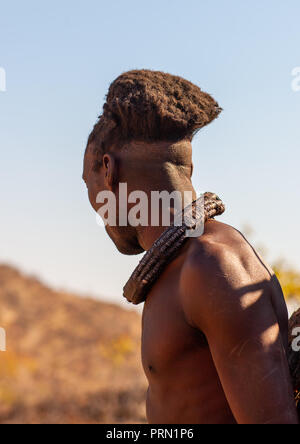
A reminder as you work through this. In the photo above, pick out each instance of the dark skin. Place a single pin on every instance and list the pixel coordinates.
(215, 324)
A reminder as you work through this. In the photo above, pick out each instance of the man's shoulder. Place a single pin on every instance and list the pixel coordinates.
(220, 246)
(219, 267)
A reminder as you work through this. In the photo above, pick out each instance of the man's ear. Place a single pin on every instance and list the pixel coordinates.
(192, 169)
(109, 165)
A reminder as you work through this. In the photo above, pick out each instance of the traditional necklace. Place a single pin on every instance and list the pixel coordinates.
(167, 247)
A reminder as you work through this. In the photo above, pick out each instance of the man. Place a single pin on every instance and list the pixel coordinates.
(215, 324)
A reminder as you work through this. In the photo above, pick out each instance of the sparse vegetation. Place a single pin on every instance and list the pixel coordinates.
(289, 279)
(68, 359)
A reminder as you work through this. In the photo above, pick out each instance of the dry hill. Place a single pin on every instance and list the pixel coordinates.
(68, 359)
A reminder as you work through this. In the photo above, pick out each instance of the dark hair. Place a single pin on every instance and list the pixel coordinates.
(150, 106)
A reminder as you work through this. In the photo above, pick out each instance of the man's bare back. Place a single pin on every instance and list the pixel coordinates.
(183, 370)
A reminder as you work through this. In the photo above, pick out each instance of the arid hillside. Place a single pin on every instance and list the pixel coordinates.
(68, 359)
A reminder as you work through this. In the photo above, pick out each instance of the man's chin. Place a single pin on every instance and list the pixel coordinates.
(127, 246)
(129, 250)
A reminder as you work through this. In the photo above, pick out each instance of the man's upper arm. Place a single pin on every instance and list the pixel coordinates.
(240, 324)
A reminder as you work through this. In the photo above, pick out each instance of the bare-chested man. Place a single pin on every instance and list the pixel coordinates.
(215, 323)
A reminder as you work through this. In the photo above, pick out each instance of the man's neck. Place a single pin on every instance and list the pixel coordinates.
(149, 234)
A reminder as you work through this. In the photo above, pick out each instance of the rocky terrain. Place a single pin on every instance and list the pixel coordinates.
(69, 359)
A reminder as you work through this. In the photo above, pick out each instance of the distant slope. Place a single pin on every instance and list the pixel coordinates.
(68, 359)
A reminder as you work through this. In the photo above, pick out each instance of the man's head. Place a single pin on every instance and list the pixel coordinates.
(143, 138)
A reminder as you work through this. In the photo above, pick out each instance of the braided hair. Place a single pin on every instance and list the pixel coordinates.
(151, 106)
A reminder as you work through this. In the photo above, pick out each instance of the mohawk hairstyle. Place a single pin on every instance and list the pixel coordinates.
(149, 106)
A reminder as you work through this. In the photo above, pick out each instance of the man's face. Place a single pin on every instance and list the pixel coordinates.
(125, 238)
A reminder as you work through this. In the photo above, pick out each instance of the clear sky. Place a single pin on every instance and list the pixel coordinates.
(60, 57)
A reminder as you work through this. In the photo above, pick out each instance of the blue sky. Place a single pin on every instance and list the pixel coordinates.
(60, 57)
